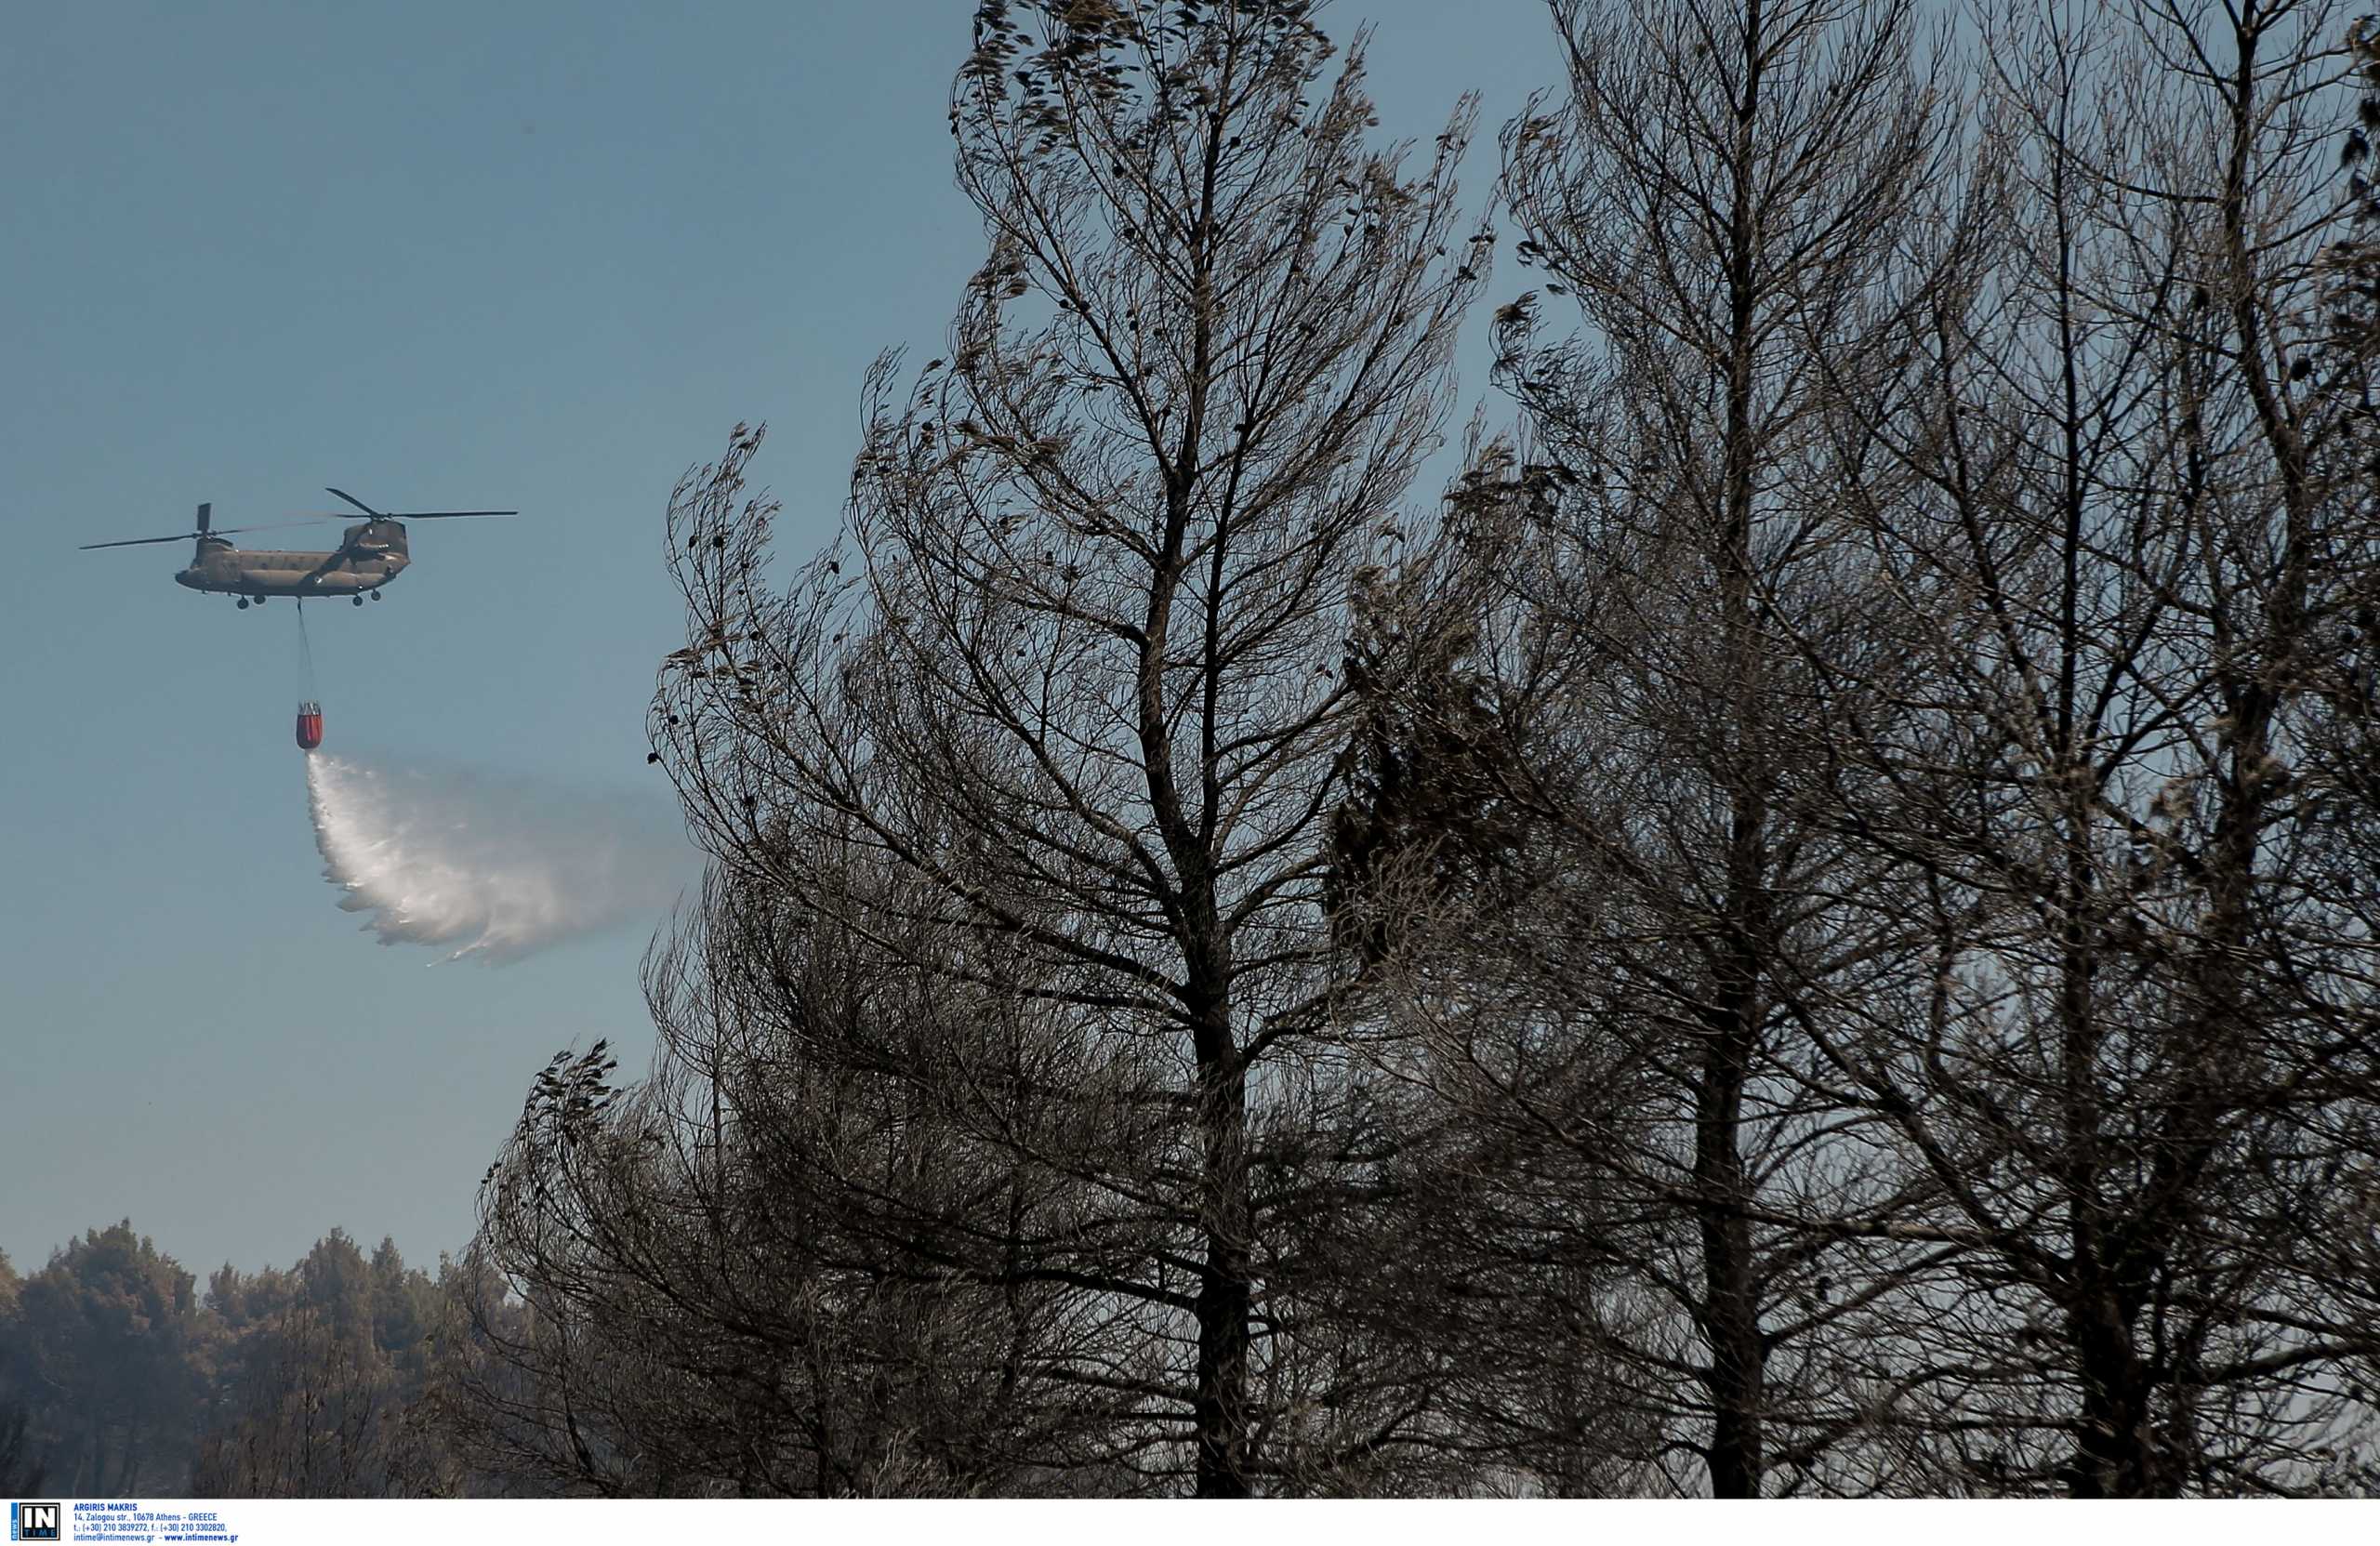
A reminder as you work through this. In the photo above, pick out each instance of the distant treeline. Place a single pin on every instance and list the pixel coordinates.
(119, 1377)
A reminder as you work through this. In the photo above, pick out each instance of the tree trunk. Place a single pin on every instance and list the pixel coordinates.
(1220, 1406)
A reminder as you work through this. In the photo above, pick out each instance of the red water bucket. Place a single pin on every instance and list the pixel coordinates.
(310, 725)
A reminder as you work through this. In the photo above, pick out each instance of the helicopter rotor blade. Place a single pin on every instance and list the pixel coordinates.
(140, 541)
(276, 525)
(215, 531)
(411, 515)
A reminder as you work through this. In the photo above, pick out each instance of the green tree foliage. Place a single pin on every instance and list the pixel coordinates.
(21, 1471)
(117, 1379)
(111, 1349)
(322, 1380)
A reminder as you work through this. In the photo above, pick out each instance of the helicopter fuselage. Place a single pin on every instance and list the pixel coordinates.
(372, 555)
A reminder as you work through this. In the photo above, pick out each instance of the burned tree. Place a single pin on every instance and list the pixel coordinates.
(2113, 501)
(1053, 731)
(1621, 1016)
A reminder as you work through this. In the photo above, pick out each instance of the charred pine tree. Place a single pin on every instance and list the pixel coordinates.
(2122, 523)
(1070, 694)
(792, 1261)
(1723, 192)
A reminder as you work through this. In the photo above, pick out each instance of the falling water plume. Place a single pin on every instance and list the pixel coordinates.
(479, 866)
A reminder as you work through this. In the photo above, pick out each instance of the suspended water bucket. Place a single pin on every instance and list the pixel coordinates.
(310, 725)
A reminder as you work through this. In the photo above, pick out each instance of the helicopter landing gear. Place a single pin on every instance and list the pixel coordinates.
(357, 599)
(244, 603)
(376, 595)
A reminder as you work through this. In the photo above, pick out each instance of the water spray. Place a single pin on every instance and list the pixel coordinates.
(479, 866)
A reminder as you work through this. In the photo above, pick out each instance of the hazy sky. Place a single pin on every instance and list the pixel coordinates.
(440, 255)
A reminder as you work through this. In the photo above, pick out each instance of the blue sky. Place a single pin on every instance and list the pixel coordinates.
(540, 256)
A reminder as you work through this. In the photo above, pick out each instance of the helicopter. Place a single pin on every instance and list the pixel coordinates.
(371, 553)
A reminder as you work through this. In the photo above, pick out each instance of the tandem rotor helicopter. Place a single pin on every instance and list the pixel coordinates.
(371, 553)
